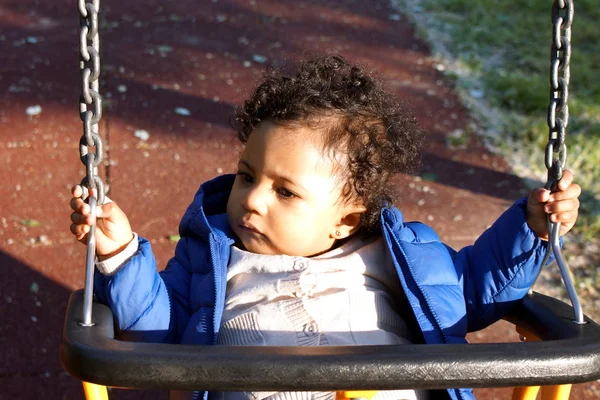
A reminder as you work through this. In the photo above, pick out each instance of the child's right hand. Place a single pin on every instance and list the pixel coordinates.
(113, 231)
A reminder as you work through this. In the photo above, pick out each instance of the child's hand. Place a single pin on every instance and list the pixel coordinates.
(562, 205)
(113, 232)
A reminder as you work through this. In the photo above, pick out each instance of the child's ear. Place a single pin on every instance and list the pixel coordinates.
(349, 223)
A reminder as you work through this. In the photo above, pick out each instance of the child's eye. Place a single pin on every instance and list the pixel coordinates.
(283, 192)
(245, 177)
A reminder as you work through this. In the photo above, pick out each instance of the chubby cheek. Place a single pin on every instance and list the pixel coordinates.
(298, 236)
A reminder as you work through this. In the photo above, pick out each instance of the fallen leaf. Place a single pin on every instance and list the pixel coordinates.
(182, 111)
(141, 134)
(429, 177)
(30, 222)
(33, 110)
(259, 58)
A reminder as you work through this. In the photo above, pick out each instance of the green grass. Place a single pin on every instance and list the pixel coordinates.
(505, 47)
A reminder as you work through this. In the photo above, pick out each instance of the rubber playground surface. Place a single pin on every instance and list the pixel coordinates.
(171, 74)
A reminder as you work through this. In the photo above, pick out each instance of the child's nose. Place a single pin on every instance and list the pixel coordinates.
(255, 200)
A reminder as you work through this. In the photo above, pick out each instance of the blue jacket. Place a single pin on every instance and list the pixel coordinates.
(450, 293)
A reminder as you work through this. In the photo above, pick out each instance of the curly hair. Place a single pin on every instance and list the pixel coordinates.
(377, 136)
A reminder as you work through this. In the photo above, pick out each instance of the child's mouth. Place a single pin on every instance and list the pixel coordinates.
(249, 227)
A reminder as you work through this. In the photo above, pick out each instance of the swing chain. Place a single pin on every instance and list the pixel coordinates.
(90, 111)
(90, 102)
(560, 57)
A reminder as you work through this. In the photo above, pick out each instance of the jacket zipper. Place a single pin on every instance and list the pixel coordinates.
(217, 281)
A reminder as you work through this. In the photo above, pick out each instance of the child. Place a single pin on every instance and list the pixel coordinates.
(302, 246)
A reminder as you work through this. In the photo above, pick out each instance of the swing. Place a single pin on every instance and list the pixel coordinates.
(562, 346)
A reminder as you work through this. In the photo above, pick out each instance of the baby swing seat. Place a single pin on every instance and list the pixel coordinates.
(568, 353)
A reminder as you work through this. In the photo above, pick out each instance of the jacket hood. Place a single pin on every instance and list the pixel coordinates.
(208, 212)
(406, 231)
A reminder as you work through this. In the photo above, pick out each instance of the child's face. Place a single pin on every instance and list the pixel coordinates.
(286, 199)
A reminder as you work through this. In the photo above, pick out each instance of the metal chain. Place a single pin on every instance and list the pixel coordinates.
(90, 102)
(558, 109)
(558, 119)
(90, 110)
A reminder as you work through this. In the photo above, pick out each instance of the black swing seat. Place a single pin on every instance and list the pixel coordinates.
(569, 353)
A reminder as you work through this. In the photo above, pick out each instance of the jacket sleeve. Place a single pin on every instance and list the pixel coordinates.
(498, 270)
(146, 306)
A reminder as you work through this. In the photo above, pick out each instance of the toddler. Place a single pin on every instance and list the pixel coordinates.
(302, 246)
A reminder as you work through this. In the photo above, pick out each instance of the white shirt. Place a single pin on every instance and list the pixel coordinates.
(342, 297)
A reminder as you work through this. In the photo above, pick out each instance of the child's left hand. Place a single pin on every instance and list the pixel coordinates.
(562, 205)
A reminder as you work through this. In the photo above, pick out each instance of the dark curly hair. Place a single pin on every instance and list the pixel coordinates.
(376, 134)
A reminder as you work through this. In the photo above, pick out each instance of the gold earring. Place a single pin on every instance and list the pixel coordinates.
(337, 233)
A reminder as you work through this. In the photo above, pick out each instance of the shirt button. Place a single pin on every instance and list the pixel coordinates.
(300, 265)
(311, 329)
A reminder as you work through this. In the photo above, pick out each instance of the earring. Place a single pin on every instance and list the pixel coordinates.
(337, 233)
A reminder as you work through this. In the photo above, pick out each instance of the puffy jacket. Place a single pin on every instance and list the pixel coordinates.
(450, 293)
